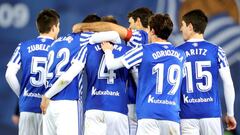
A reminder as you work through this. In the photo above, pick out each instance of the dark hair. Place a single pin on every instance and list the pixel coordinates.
(142, 13)
(198, 20)
(162, 25)
(109, 18)
(91, 18)
(46, 19)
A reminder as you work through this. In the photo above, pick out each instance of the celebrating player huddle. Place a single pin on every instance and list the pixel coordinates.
(175, 88)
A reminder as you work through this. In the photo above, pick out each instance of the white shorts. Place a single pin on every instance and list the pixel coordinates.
(30, 123)
(63, 117)
(157, 127)
(206, 126)
(99, 122)
(132, 118)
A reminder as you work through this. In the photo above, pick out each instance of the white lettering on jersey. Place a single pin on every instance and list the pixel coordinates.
(104, 92)
(159, 54)
(197, 51)
(31, 94)
(115, 47)
(196, 100)
(37, 47)
(152, 100)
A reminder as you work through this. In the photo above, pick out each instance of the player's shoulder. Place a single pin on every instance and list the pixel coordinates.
(202, 43)
(28, 42)
(86, 34)
(141, 34)
(138, 32)
(64, 39)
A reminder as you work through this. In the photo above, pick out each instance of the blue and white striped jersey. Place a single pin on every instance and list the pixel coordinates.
(31, 57)
(160, 76)
(139, 38)
(106, 88)
(200, 98)
(62, 54)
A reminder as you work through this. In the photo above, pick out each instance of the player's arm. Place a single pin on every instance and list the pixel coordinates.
(103, 26)
(229, 92)
(77, 66)
(12, 68)
(11, 77)
(130, 59)
(111, 36)
(110, 61)
(134, 73)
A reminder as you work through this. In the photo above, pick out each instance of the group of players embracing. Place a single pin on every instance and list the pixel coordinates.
(175, 88)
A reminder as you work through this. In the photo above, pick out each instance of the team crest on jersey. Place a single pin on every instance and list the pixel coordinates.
(43, 40)
(195, 44)
(165, 46)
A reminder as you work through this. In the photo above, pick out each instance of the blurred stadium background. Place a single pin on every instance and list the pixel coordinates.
(17, 23)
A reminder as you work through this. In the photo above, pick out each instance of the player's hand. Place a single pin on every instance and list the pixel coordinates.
(231, 122)
(106, 46)
(44, 104)
(77, 28)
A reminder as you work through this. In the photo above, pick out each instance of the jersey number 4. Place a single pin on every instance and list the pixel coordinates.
(102, 74)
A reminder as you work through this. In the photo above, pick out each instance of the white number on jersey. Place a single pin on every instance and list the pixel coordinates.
(173, 77)
(64, 54)
(109, 75)
(200, 74)
(37, 69)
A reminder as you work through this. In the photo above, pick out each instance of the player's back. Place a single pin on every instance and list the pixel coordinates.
(160, 76)
(61, 54)
(106, 88)
(32, 56)
(199, 97)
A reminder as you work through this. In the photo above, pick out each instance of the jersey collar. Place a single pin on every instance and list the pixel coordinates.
(195, 40)
(164, 43)
(45, 37)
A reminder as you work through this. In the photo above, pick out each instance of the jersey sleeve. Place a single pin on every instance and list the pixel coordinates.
(16, 58)
(85, 37)
(80, 57)
(133, 57)
(138, 38)
(99, 37)
(222, 59)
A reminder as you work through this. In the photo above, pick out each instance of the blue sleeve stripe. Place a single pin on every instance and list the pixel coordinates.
(132, 52)
(133, 63)
(81, 54)
(136, 39)
(134, 44)
(133, 57)
(222, 59)
(16, 59)
(136, 33)
(221, 55)
(80, 85)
